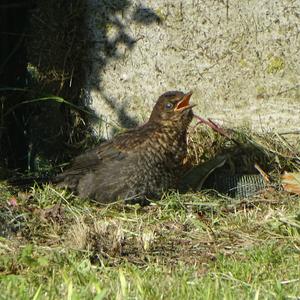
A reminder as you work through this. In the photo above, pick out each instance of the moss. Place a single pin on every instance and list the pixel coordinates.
(276, 63)
(243, 63)
(160, 13)
(260, 90)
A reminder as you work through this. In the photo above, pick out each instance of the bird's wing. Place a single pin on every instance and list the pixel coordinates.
(115, 150)
(92, 159)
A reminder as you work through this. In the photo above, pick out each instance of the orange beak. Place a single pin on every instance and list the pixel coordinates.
(184, 103)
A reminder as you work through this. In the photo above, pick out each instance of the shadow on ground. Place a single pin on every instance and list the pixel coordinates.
(56, 47)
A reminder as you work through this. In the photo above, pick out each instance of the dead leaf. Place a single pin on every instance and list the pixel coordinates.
(291, 182)
(53, 214)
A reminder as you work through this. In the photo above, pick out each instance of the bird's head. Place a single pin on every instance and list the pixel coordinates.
(173, 109)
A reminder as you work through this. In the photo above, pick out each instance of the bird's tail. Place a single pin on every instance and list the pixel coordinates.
(25, 182)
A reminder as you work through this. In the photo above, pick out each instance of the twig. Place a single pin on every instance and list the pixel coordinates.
(262, 172)
(227, 10)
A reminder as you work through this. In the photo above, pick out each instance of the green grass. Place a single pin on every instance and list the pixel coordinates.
(191, 246)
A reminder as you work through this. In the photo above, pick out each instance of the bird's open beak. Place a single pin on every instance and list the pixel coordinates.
(184, 103)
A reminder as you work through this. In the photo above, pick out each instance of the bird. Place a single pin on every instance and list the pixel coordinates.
(139, 164)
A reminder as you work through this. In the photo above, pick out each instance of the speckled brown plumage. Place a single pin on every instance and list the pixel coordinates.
(142, 162)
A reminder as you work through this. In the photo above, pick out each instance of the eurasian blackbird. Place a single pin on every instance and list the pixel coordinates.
(140, 163)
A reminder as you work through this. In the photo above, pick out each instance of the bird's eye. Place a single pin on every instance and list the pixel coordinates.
(169, 105)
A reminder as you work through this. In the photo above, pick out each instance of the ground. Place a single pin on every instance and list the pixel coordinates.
(192, 246)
